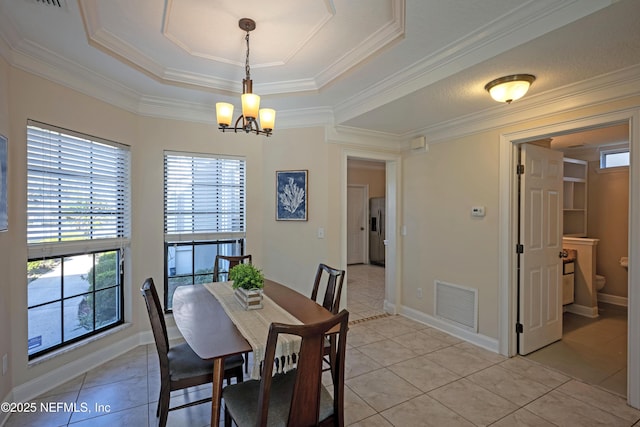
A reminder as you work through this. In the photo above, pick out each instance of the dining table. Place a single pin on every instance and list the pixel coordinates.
(210, 332)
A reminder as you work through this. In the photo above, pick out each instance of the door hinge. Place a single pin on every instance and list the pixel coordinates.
(519, 248)
(520, 170)
(519, 328)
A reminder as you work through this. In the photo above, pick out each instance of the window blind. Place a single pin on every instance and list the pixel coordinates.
(204, 197)
(77, 187)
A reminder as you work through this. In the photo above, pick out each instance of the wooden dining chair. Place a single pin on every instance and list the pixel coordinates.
(221, 273)
(180, 366)
(333, 288)
(297, 397)
(334, 279)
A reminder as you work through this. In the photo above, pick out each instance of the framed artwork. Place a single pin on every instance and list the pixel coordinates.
(291, 195)
(4, 223)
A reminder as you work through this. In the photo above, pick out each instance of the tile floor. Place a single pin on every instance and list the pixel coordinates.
(593, 350)
(365, 291)
(398, 373)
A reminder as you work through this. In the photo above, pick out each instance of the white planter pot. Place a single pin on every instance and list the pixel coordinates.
(249, 299)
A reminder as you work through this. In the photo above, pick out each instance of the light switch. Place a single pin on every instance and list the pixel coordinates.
(321, 233)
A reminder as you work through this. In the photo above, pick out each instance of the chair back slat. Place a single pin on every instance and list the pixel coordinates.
(333, 289)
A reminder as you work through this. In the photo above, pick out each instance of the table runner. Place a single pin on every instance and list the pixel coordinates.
(254, 326)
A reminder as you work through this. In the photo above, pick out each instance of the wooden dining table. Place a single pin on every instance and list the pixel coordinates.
(209, 331)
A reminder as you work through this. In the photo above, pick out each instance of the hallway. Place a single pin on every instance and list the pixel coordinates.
(365, 291)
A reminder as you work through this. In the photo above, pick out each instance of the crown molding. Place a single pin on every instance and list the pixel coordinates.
(532, 20)
(362, 138)
(610, 87)
(392, 31)
(123, 51)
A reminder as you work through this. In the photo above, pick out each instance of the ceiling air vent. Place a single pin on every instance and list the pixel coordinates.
(56, 3)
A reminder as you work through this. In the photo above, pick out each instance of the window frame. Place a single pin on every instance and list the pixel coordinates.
(605, 153)
(119, 286)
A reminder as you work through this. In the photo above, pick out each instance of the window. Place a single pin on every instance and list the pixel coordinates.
(77, 231)
(204, 215)
(614, 158)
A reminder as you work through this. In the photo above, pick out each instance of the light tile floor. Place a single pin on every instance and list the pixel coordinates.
(593, 350)
(398, 373)
(365, 291)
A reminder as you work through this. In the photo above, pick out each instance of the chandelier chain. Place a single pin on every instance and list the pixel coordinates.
(246, 64)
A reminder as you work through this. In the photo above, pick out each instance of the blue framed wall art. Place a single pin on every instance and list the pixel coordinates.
(291, 195)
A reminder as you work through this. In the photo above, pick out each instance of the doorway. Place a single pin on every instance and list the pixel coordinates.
(391, 165)
(366, 191)
(508, 235)
(592, 341)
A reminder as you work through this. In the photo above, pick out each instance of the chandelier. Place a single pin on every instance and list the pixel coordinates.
(250, 101)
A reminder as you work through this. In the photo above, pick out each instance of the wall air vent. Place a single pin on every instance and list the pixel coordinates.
(457, 305)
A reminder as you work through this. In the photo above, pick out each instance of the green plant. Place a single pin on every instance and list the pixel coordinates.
(246, 276)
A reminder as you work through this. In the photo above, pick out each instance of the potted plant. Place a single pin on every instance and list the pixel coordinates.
(248, 282)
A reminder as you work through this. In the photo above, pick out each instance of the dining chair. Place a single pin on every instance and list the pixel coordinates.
(330, 301)
(180, 366)
(220, 274)
(333, 289)
(297, 397)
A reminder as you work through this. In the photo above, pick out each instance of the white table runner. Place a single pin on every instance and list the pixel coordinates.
(254, 326)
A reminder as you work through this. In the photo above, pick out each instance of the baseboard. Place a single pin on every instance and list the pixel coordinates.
(613, 299)
(480, 340)
(35, 387)
(582, 310)
(4, 415)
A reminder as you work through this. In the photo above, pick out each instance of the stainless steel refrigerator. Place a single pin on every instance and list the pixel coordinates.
(376, 230)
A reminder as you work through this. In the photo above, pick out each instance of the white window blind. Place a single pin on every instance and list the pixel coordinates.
(204, 197)
(77, 187)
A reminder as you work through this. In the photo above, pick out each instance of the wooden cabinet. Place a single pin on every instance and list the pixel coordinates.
(575, 198)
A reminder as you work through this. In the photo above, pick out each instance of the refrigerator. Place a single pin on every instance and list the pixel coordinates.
(376, 230)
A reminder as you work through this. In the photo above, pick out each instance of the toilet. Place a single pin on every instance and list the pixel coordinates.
(600, 282)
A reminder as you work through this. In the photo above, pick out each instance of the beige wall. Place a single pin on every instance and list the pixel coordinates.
(373, 175)
(287, 251)
(444, 242)
(438, 189)
(5, 283)
(608, 220)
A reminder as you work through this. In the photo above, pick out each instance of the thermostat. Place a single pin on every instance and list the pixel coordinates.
(477, 211)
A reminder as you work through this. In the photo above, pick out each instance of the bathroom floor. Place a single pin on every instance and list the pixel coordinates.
(592, 350)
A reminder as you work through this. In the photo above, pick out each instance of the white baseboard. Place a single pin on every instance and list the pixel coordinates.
(4, 416)
(42, 384)
(480, 340)
(582, 310)
(613, 299)
(54, 378)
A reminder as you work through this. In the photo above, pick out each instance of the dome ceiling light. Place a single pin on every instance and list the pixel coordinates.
(509, 88)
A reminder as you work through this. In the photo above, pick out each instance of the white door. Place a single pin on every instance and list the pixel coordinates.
(356, 224)
(541, 239)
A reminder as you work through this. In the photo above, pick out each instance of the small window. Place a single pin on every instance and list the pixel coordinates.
(614, 158)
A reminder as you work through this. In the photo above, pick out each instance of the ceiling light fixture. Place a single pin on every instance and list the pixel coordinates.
(250, 101)
(509, 88)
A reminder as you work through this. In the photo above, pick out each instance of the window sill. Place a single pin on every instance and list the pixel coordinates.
(77, 345)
